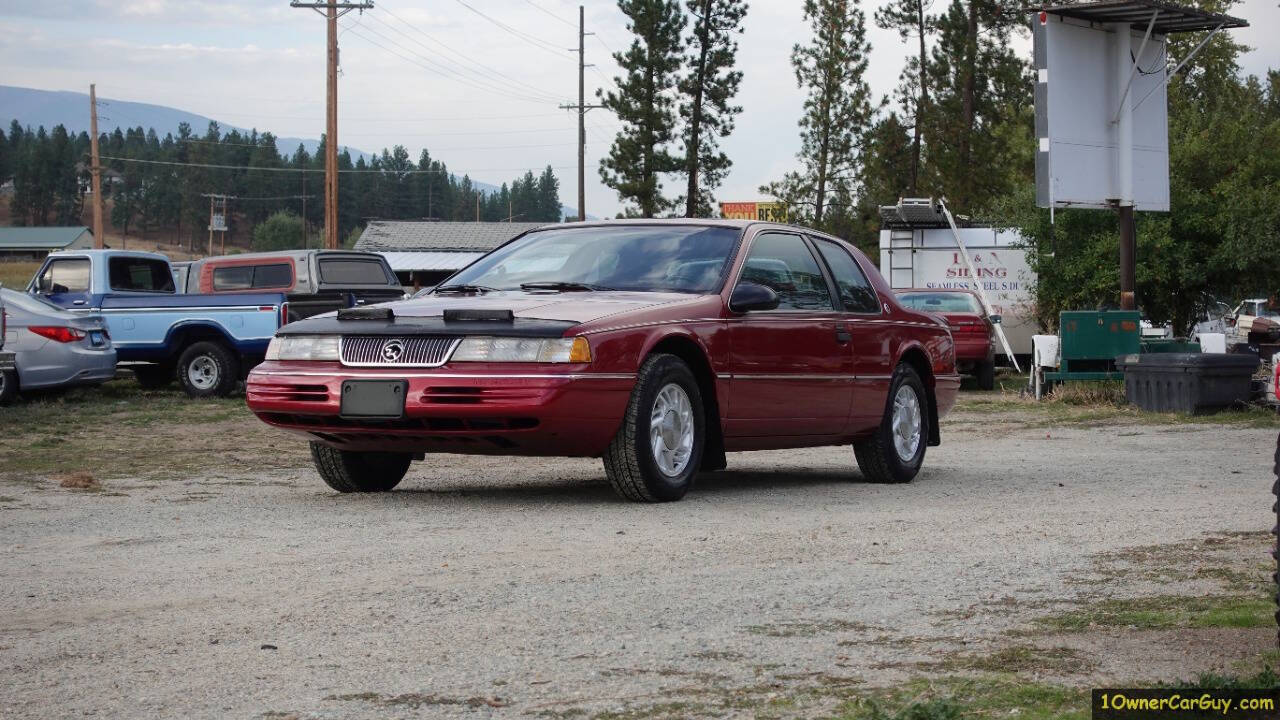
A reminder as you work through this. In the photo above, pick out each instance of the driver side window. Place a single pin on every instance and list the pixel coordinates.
(64, 276)
(784, 263)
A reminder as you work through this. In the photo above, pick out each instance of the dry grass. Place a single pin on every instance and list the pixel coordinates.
(77, 480)
(1101, 394)
(16, 275)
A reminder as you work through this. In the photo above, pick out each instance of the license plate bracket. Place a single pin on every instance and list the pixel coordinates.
(373, 399)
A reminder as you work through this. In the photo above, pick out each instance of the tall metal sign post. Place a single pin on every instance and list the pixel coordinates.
(1102, 125)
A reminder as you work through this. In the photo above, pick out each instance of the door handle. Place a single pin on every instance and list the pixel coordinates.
(842, 335)
(77, 302)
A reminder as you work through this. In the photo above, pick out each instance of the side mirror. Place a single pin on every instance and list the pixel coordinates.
(749, 297)
(995, 319)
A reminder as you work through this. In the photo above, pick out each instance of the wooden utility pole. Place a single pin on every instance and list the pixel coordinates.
(210, 253)
(477, 207)
(332, 11)
(95, 169)
(582, 109)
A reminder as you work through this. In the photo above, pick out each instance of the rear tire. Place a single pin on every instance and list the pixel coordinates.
(8, 386)
(208, 369)
(155, 377)
(986, 375)
(895, 453)
(348, 471)
(656, 463)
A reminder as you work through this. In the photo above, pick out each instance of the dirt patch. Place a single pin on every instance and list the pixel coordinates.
(77, 480)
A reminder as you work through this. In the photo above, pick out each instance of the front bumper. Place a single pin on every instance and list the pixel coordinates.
(470, 408)
(7, 361)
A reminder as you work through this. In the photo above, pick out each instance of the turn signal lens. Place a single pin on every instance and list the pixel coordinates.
(58, 334)
(581, 351)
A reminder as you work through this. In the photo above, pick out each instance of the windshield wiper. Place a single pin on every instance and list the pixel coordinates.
(563, 286)
(465, 289)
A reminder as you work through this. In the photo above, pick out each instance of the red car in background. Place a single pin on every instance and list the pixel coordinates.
(656, 345)
(973, 329)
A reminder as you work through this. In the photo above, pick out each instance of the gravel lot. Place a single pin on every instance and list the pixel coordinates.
(510, 587)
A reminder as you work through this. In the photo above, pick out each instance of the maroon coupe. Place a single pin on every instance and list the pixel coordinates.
(656, 345)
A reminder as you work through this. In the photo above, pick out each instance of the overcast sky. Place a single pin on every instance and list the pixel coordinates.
(480, 96)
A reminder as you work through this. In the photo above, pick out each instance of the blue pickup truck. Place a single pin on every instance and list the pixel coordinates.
(208, 342)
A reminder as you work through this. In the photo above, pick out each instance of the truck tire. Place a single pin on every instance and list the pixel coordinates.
(986, 372)
(208, 369)
(348, 471)
(8, 386)
(154, 377)
(895, 452)
(656, 463)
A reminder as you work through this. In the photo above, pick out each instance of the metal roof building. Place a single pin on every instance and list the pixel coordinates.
(36, 242)
(432, 250)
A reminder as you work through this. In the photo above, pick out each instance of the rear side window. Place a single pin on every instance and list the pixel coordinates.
(233, 277)
(353, 271)
(855, 291)
(70, 275)
(139, 275)
(279, 275)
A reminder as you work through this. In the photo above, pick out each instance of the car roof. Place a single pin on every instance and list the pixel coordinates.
(16, 301)
(706, 222)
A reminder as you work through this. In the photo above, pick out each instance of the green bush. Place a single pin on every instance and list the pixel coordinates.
(281, 231)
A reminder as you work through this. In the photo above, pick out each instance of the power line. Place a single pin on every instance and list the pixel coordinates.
(481, 132)
(523, 98)
(553, 15)
(530, 39)
(480, 83)
(463, 56)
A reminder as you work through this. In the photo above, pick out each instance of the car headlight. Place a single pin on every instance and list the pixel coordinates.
(532, 350)
(303, 347)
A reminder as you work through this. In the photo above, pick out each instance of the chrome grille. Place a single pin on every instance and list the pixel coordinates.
(396, 351)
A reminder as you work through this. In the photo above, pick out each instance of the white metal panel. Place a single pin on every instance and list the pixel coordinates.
(1081, 91)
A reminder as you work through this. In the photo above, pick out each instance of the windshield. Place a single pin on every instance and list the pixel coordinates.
(941, 302)
(653, 258)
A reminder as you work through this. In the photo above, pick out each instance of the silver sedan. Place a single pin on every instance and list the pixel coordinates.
(54, 348)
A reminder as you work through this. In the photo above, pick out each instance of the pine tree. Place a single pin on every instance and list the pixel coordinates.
(644, 101)
(837, 111)
(910, 19)
(979, 86)
(709, 88)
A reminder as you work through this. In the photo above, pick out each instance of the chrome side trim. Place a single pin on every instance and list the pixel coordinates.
(234, 308)
(398, 375)
(793, 376)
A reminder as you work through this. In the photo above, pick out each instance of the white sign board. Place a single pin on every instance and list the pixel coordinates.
(219, 223)
(1086, 84)
(928, 259)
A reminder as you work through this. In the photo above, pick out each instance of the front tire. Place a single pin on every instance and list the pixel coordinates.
(349, 471)
(895, 453)
(658, 449)
(208, 369)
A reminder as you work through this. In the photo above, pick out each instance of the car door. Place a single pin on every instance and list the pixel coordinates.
(65, 282)
(861, 311)
(792, 370)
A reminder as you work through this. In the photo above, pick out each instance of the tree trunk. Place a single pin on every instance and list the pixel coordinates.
(921, 101)
(967, 108)
(695, 119)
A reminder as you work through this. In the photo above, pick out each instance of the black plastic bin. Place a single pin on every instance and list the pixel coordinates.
(1187, 382)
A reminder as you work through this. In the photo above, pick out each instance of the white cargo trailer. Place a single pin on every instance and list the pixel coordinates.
(924, 255)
